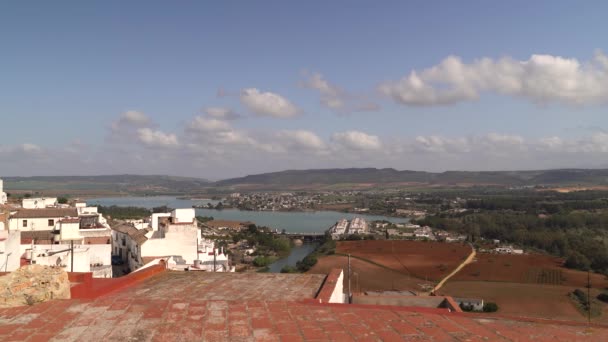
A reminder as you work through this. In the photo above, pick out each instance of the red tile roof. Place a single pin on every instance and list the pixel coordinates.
(154, 310)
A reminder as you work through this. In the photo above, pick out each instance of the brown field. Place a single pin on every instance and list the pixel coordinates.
(366, 276)
(527, 268)
(424, 260)
(547, 301)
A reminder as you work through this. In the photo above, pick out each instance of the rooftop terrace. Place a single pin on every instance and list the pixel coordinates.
(197, 306)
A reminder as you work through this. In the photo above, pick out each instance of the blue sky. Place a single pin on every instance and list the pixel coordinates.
(341, 71)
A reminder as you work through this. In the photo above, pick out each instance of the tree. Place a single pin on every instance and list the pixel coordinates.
(577, 260)
(62, 200)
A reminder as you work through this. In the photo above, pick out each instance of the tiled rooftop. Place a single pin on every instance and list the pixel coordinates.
(221, 307)
(227, 286)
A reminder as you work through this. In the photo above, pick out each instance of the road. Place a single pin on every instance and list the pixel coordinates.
(467, 261)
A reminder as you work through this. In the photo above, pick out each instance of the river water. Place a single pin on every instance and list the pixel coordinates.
(292, 221)
(297, 253)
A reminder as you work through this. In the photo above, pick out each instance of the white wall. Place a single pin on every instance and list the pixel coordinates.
(183, 215)
(155, 218)
(69, 230)
(3, 197)
(37, 203)
(338, 296)
(10, 259)
(178, 240)
(84, 255)
(32, 223)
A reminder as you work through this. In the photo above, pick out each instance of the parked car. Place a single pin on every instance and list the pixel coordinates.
(117, 260)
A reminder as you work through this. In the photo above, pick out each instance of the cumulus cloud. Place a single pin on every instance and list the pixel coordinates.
(356, 140)
(202, 124)
(540, 79)
(131, 118)
(335, 98)
(267, 103)
(301, 140)
(154, 138)
(221, 113)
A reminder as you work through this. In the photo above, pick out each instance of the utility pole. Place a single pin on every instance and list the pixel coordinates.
(349, 293)
(588, 296)
(72, 255)
(214, 254)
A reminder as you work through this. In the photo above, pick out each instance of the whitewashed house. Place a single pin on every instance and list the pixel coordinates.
(47, 236)
(39, 203)
(173, 234)
(3, 196)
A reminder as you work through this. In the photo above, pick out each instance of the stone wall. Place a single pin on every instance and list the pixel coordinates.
(33, 284)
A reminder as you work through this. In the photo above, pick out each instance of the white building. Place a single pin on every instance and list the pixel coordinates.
(39, 219)
(343, 227)
(47, 234)
(3, 196)
(172, 234)
(39, 203)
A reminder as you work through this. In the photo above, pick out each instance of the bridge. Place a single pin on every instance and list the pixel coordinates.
(308, 236)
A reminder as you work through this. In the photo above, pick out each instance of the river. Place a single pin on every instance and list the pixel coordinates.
(297, 253)
(291, 221)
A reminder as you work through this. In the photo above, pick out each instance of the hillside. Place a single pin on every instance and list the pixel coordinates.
(129, 184)
(391, 176)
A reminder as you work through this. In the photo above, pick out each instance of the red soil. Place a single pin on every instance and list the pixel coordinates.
(527, 268)
(424, 260)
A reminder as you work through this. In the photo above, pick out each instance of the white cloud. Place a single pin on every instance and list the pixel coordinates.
(201, 124)
(154, 138)
(222, 113)
(267, 103)
(540, 79)
(357, 140)
(131, 118)
(301, 140)
(335, 98)
(30, 148)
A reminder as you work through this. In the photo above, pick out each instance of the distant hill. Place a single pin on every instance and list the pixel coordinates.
(388, 176)
(130, 184)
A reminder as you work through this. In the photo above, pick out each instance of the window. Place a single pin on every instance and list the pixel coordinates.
(24, 223)
(51, 223)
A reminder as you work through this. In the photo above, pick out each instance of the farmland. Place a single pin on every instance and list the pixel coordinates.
(420, 259)
(367, 276)
(528, 268)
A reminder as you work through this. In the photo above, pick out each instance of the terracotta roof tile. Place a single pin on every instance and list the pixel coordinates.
(163, 308)
(47, 212)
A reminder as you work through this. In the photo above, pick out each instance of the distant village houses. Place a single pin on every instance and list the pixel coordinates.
(344, 228)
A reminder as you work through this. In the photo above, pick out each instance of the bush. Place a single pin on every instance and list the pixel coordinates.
(306, 264)
(263, 261)
(62, 200)
(289, 269)
(603, 297)
(490, 307)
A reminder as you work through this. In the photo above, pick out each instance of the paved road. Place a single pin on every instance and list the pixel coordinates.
(467, 261)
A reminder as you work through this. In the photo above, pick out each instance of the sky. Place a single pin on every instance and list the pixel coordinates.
(225, 89)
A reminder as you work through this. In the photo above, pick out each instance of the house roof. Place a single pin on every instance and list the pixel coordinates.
(46, 213)
(138, 235)
(196, 306)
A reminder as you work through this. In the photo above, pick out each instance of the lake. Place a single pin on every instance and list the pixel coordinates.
(293, 221)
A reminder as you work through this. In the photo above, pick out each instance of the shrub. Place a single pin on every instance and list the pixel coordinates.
(490, 307)
(289, 269)
(307, 263)
(603, 297)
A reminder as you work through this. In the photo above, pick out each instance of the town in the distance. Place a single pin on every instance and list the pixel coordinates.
(492, 249)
